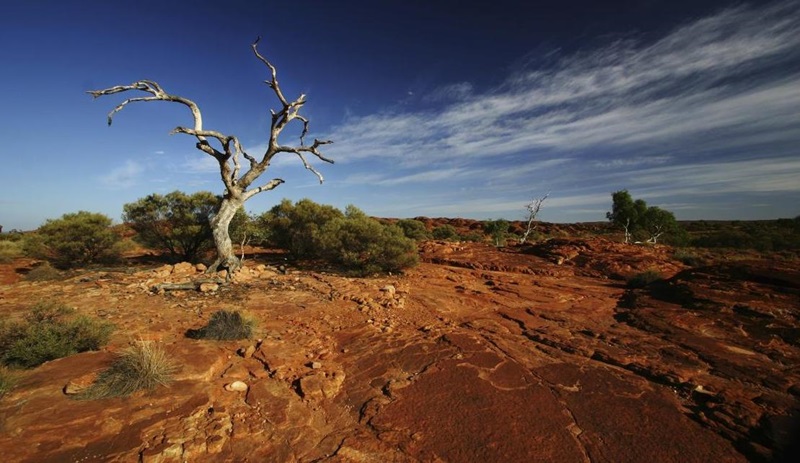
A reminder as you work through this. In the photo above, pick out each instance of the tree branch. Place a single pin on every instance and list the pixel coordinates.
(271, 185)
(158, 94)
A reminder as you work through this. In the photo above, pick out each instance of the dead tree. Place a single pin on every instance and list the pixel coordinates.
(229, 152)
(533, 209)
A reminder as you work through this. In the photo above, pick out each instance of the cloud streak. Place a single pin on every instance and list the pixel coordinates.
(713, 106)
(124, 176)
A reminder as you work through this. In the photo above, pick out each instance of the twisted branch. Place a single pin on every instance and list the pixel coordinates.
(231, 146)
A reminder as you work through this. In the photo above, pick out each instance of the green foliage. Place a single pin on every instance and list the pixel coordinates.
(7, 381)
(74, 240)
(352, 240)
(497, 229)
(365, 246)
(445, 232)
(9, 250)
(764, 236)
(50, 331)
(688, 258)
(143, 366)
(223, 326)
(296, 227)
(640, 280)
(176, 222)
(474, 237)
(637, 219)
(414, 229)
(245, 230)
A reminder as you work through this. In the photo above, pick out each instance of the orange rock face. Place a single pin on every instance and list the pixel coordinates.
(530, 353)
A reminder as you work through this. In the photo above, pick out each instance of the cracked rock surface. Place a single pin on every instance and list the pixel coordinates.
(535, 353)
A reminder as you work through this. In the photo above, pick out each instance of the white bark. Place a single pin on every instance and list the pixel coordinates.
(533, 208)
(229, 152)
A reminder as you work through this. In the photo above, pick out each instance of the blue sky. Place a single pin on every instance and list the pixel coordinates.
(455, 109)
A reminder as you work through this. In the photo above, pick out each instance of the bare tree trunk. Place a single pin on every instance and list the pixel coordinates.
(226, 257)
(229, 152)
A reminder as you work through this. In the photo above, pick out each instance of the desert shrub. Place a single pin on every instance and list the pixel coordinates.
(177, 223)
(7, 381)
(223, 326)
(642, 279)
(497, 229)
(44, 272)
(474, 237)
(688, 258)
(50, 331)
(9, 250)
(143, 366)
(296, 227)
(413, 229)
(364, 246)
(352, 240)
(765, 236)
(445, 232)
(74, 240)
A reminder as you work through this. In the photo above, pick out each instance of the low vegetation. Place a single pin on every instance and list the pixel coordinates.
(414, 229)
(49, 331)
(356, 243)
(688, 258)
(142, 366)
(75, 240)
(498, 230)
(763, 235)
(7, 381)
(44, 272)
(643, 279)
(177, 223)
(9, 250)
(224, 326)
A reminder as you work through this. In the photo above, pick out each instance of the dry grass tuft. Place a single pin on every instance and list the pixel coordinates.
(143, 366)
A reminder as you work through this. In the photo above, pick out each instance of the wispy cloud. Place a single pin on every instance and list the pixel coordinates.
(713, 106)
(124, 176)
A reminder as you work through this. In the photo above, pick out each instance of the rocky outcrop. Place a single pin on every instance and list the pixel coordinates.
(535, 353)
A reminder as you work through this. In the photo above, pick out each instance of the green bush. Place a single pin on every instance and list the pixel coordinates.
(413, 229)
(498, 230)
(688, 258)
(9, 250)
(177, 223)
(141, 366)
(50, 331)
(364, 246)
(296, 227)
(7, 381)
(640, 280)
(353, 241)
(445, 232)
(74, 240)
(223, 326)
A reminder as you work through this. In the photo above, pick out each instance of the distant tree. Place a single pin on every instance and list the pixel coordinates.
(656, 222)
(176, 222)
(635, 217)
(532, 209)
(74, 240)
(229, 152)
(625, 212)
(497, 229)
